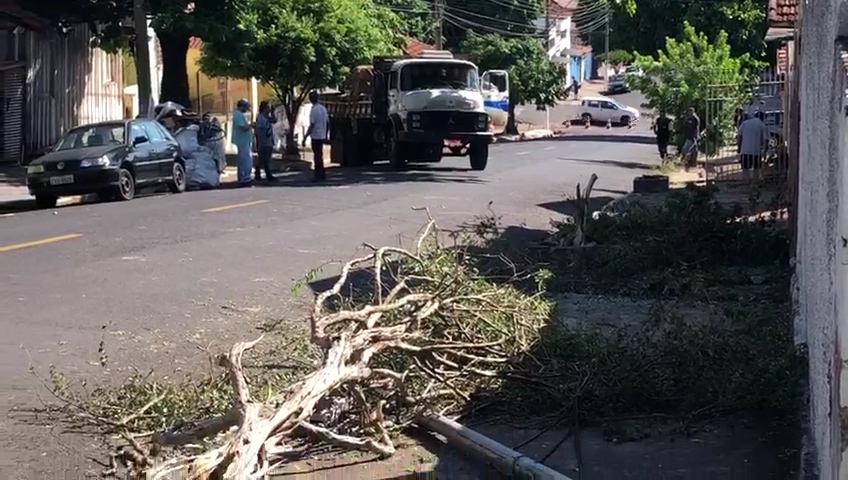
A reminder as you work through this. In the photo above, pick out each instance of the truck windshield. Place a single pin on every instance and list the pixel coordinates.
(425, 76)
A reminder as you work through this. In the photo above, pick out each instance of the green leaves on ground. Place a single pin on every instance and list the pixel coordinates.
(680, 76)
(532, 77)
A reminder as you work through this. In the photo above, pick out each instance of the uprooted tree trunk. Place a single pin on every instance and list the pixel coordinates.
(429, 328)
(581, 201)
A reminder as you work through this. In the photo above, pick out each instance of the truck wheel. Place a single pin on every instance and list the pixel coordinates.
(478, 153)
(396, 154)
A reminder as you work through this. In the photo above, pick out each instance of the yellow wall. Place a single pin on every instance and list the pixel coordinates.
(211, 98)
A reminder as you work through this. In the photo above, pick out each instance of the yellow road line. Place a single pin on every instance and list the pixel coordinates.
(230, 207)
(36, 243)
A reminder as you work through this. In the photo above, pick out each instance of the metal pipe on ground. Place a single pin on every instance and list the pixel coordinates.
(504, 459)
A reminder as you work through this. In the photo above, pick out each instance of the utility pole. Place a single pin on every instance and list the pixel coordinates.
(606, 47)
(142, 56)
(440, 15)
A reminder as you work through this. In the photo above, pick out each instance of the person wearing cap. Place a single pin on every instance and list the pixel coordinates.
(242, 138)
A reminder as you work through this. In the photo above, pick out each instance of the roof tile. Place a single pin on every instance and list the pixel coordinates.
(782, 13)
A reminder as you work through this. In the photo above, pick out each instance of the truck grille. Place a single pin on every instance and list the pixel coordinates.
(458, 122)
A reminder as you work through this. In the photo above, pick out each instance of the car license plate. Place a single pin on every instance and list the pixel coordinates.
(62, 180)
(453, 143)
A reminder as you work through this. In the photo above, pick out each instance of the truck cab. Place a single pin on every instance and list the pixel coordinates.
(420, 109)
(434, 102)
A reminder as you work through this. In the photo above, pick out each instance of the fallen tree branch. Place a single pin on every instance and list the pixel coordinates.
(427, 344)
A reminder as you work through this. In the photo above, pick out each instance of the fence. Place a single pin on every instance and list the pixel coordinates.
(726, 107)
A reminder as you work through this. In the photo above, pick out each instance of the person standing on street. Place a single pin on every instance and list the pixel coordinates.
(662, 129)
(575, 87)
(264, 131)
(753, 140)
(319, 126)
(242, 138)
(691, 135)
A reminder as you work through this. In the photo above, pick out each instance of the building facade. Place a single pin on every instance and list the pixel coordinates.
(51, 80)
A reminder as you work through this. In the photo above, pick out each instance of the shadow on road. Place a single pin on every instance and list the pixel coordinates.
(608, 138)
(375, 175)
(612, 163)
(567, 207)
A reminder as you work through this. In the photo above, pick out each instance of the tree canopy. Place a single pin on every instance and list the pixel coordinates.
(681, 76)
(532, 77)
(643, 27)
(296, 46)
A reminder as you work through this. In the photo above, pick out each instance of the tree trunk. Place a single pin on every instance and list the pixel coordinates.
(174, 47)
(511, 126)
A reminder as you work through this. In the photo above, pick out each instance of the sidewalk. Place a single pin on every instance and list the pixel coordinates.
(280, 163)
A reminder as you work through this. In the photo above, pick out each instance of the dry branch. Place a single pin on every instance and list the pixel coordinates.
(439, 334)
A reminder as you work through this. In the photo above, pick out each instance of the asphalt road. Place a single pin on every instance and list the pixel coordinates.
(168, 274)
(558, 114)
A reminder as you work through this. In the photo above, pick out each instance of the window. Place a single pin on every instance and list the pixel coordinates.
(136, 131)
(593, 104)
(609, 106)
(152, 133)
(94, 136)
(393, 77)
(430, 75)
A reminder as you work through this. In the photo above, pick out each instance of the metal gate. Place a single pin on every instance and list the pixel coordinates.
(12, 111)
(727, 106)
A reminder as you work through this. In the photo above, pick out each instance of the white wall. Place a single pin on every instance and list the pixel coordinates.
(822, 210)
(559, 36)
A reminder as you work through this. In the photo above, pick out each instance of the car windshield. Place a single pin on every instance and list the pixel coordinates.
(93, 136)
(424, 76)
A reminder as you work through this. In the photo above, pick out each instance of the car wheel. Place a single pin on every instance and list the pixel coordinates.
(178, 181)
(586, 118)
(625, 120)
(126, 185)
(46, 201)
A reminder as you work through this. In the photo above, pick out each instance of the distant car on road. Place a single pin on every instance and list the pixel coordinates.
(602, 109)
(110, 159)
(617, 84)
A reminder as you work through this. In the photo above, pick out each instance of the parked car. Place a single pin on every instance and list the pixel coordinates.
(111, 159)
(602, 109)
(617, 84)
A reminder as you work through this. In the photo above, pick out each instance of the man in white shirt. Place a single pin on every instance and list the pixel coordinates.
(752, 139)
(319, 128)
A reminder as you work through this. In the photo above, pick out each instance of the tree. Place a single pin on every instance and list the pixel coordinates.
(533, 78)
(681, 75)
(298, 46)
(620, 57)
(175, 22)
(645, 27)
(412, 18)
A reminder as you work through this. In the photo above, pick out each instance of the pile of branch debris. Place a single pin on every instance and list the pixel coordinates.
(422, 337)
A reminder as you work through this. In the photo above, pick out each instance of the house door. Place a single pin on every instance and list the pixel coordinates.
(577, 68)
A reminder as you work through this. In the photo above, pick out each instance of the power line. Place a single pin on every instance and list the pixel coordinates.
(465, 23)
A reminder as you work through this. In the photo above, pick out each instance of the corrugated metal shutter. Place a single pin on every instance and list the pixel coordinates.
(13, 114)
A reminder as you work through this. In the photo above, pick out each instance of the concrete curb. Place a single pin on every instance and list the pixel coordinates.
(25, 204)
(505, 460)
